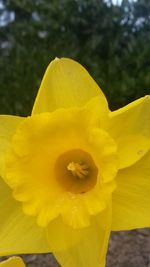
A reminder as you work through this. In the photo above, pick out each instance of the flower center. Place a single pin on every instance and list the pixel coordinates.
(76, 171)
(80, 170)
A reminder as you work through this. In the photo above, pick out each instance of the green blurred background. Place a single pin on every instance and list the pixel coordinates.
(110, 38)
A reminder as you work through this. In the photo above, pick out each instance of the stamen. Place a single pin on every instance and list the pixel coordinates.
(79, 170)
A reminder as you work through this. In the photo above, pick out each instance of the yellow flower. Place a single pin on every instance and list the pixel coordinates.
(12, 262)
(73, 171)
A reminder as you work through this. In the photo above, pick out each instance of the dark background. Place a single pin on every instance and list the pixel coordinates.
(112, 41)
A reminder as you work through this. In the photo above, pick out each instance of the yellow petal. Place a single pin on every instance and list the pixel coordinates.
(130, 127)
(65, 84)
(18, 232)
(13, 262)
(8, 125)
(132, 148)
(131, 200)
(86, 247)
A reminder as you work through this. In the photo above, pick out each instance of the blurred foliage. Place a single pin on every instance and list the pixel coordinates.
(111, 41)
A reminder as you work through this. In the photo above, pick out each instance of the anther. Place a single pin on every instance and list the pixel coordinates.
(78, 170)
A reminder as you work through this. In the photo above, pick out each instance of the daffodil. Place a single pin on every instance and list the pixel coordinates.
(73, 170)
(12, 262)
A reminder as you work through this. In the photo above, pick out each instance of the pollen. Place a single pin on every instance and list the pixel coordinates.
(79, 170)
